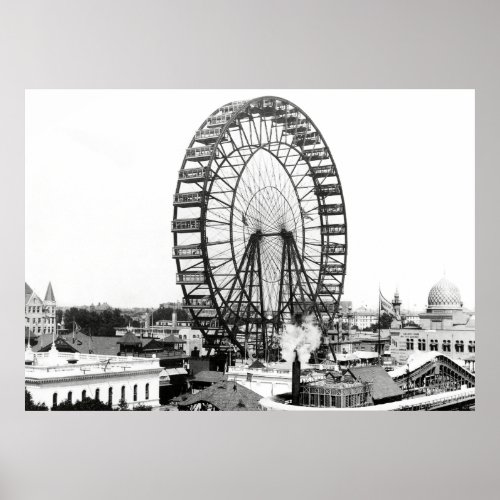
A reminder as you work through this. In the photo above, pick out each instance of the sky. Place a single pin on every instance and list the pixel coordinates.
(101, 170)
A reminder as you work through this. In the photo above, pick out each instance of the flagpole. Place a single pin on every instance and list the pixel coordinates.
(378, 346)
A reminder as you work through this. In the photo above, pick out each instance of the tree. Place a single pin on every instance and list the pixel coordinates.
(86, 404)
(166, 313)
(97, 323)
(30, 405)
(142, 407)
(122, 405)
(385, 322)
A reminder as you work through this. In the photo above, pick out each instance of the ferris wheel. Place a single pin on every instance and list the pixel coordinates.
(260, 232)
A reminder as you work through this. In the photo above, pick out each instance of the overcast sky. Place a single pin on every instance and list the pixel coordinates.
(101, 169)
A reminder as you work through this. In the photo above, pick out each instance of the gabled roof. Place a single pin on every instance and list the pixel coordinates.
(383, 386)
(154, 345)
(130, 339)
(226, 396)
(62, 346)
(83, 343)
(28, 292)
(172, 339)
(49, 295)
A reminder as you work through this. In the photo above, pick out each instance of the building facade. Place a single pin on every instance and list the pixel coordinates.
(53, 377)
(444, 327)
(364, 317)
(39, 315)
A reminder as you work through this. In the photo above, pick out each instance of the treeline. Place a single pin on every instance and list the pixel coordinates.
(166, 313)
(103, 323)
(97, 323)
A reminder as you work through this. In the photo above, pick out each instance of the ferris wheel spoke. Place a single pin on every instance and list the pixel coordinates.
(259, 208)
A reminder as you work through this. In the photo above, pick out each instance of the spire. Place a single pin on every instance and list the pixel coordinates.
(49, 296)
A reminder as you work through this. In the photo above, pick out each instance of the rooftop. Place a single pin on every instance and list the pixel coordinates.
(383, 387)
(57, 365)
(226, 396)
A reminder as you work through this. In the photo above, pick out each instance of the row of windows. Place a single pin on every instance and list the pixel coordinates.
(38, 309)
(39, 320)
(446, 346)
(97, 396)
(42, 329)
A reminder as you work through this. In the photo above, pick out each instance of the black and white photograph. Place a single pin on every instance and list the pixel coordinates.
(284, 213)
(250, 250)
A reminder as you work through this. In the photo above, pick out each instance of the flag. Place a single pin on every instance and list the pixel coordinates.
(386, 306)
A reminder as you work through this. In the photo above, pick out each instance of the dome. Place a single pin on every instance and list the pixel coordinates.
(444, 295)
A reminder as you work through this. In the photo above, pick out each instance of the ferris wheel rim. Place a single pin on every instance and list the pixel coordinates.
(234, 119)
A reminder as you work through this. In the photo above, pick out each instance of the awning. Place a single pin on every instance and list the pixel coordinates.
(365, 355)
(174, 371)
(346, 357)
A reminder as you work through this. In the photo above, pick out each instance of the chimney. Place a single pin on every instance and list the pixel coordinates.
(174, 319)
(296, 380)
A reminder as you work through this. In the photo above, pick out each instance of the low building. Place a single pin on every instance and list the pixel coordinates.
(364, 317)
(445, 327)
(53, 377)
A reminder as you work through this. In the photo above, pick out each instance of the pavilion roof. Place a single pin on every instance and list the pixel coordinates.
(130, 339)
(383, 386)
(226, 396)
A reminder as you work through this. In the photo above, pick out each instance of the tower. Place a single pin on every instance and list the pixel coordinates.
(49, 304)
(396, 303)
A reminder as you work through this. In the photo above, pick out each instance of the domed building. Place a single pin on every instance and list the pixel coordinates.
(444, 327)
(444, 307)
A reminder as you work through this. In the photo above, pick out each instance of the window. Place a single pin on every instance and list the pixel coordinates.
(409, 345)
(135, 392)
(123, 392)
(97, 394)
(54, 399)
(421, 344)
(70, 397)
(459, 346)
(84, 394)
(472, 346)
(433, 345)
(110, 395)
(147, 391)
(446, 345)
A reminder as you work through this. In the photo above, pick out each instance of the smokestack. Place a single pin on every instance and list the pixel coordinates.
(296, 379)
(174, 319)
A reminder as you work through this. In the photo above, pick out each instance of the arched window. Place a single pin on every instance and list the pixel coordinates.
(123, 393)
(84, 394)
(135, 392)
(54, 399)
(97, 394)
(70, 397)
(446, 345)
(147, 391)
(472, 346)
(110, 395)
(459, 346)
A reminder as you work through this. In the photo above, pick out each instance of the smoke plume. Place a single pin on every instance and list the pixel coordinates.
(304, 338)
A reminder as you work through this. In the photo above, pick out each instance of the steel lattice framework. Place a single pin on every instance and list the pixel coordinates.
(260, 230)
